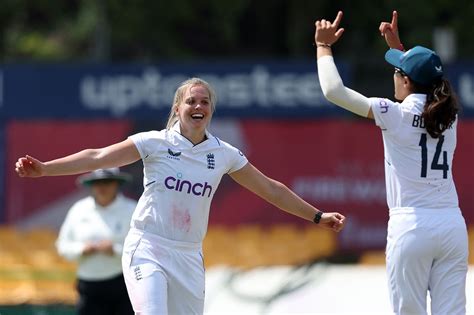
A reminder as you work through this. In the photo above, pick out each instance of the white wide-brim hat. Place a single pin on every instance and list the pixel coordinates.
(101, 174)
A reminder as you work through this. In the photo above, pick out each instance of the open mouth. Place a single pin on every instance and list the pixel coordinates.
(197, 116)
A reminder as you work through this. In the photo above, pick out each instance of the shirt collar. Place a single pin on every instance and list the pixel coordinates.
(416, 99)
(177, 127)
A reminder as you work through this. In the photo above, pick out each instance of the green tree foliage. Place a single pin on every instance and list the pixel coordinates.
(145, 30)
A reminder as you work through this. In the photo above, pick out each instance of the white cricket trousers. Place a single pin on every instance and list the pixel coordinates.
(163, 276)
(427, 250)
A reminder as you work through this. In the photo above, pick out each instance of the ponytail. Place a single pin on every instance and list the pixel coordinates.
(441, 108)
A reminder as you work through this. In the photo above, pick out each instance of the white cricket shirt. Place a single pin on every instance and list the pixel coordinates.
(86, 222)
(417, 167)
(179, 181)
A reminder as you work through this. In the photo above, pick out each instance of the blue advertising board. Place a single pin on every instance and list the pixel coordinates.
(141, 91)
(461, 75)
(268, 89)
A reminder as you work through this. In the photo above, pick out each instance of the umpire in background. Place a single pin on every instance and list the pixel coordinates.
(93, 234)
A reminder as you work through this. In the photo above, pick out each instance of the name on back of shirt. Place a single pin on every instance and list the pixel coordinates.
(418, 121)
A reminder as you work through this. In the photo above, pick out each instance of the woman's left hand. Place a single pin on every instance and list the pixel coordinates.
(327, 33)
(333, 221)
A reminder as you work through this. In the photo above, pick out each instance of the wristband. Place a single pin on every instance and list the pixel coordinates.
(323, 45)
(317, 217)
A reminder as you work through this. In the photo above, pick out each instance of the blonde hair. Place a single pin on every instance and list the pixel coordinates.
(179, 95)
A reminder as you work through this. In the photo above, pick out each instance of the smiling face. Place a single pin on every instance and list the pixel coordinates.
(194, 112)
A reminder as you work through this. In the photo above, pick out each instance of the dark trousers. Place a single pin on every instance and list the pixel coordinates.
(104, 297)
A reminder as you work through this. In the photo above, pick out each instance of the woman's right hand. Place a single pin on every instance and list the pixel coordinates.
(327, 33)
(28, 166)
(390, 32)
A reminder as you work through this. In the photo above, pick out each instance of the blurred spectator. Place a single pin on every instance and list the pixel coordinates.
(93, 234)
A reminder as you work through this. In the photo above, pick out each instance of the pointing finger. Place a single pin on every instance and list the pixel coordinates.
(394, 23)
(337, 20)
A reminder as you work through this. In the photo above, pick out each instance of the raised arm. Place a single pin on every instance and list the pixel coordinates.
(115, 155)
(327, 33)
(282, 197)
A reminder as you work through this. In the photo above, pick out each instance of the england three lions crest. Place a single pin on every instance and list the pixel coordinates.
(211, 163)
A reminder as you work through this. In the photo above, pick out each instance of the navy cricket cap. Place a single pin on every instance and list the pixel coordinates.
(420, 64)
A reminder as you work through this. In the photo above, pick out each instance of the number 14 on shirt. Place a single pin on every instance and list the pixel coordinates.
(435, 165)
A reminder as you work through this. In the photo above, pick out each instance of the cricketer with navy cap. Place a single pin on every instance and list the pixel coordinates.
(420, 64)
(427, 247)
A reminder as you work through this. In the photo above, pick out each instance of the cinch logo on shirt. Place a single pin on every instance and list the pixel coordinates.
(180, 185)
(383, 106)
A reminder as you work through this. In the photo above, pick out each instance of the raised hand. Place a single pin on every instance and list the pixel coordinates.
(327, 33)
(28, 166)
(390, 32)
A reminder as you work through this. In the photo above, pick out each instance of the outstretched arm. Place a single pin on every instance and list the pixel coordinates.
(327, 33)
(282, 197)
(115, 155)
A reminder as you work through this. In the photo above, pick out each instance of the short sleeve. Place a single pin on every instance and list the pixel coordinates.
(387, 114)
(142, 141)
(236, 159)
